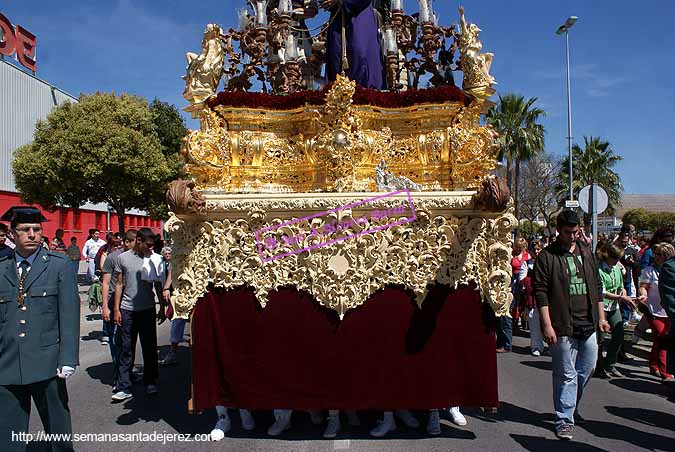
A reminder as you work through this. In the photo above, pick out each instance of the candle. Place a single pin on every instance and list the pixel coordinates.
(291, 48)
(242, 14)
(425, 15)
(261, 13)
(390, 40)
(397, 5)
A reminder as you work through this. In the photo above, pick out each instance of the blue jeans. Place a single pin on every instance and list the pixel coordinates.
(114, 334)
(573, 366)
(505, 332)
(177, 330)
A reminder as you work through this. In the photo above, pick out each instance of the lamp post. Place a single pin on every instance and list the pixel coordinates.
(565, 28)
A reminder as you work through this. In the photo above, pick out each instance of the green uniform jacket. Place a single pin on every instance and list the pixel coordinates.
(45, 334)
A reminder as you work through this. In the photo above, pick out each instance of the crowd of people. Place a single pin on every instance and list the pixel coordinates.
(579, 303)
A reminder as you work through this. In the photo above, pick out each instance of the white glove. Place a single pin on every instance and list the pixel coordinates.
(65, 372)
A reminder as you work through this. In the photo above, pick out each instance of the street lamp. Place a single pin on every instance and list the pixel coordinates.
(565, 28)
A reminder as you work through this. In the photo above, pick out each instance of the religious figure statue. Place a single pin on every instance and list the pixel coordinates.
(386, 181)
(205, 70)
(475, 65)
(364, 55)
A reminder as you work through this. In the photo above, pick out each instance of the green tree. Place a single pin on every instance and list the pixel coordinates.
(592, 165)
(171, 130)
(521, 135)
(105, 148)
(641, 218)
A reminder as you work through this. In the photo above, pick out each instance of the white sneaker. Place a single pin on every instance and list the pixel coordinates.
(281, 424)
(169, 359)
(247, 421)
(222, 426)
(151, 390)
(105, 340)
(407, 418)
(384, 426)
(333, 427)
(536, 353)
(315, 417)
(121, 395)
(434, 424)
(457, 417)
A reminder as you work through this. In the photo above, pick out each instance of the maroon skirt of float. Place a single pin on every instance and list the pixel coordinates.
(386, 354)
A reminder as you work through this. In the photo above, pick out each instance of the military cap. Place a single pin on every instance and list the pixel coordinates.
(23, 214)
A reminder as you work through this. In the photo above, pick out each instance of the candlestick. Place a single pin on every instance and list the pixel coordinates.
(390, 40)
(397, 5)
(425, 15)
(291, 48)
(261, 13)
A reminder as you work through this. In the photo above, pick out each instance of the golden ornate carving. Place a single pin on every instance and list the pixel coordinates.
(337, 147)
(449, 243)
(205, 70)
(475, 65)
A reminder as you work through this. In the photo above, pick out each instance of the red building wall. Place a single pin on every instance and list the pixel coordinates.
(77, 222)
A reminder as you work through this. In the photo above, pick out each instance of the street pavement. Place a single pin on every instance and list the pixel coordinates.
(622, 414)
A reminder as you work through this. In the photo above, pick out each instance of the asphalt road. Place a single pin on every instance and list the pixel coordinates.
(623, 414)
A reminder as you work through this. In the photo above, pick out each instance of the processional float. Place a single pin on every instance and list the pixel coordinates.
(341, 244)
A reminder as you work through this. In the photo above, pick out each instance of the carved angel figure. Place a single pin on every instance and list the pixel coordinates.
(475, 65)
(205, 70)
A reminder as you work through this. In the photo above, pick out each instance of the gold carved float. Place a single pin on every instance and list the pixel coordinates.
(253, 168)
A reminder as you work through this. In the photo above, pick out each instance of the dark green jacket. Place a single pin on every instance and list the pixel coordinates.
(667, 288)
(45, 335)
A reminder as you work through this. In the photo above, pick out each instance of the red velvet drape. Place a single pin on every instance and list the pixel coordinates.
(386, 354)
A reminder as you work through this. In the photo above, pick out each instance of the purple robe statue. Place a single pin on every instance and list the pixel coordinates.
(363, 45)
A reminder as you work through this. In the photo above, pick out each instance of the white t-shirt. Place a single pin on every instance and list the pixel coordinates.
(650, 276)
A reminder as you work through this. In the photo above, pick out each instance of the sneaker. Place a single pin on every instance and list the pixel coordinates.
(281, 424)
(407, 418)
(614, 372)
(151, 389)
(456, 416)
(565, 432)
(536, 353)
(384, 426)
(333, 427)
(315, 417)
(222, 426)
(247, 421)
(121, 395)
(105, 340)
(434, 423)
(169, 359)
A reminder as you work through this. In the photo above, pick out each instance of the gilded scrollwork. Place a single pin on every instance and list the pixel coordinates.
(453, 248)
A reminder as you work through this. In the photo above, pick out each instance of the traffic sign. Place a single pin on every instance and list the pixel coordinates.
(601, 199)
(572, 204)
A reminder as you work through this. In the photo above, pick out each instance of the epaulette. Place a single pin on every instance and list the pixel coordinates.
(57, 255)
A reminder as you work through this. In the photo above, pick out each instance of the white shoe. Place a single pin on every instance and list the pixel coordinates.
(105, 340)
(151, 390)
(169, 359)
(247, 421)
(281, 424)
(434, 424)
(353, 418)
(457, 417)
(121, 395)
(536, 353)
(407, 418)
(333, 427)
(384, 426)
(222, 426)
(315, 417)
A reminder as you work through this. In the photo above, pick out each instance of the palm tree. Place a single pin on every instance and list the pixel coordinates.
(521, 136)
(592, 165)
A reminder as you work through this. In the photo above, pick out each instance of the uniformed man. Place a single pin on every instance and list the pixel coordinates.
(39, 333)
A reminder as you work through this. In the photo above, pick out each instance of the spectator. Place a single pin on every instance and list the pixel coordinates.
(177, 324)
(568, 292)
(44, 241)
(612, 276)
(5, 250)
(91, 247)
(660, 236)
(667, 292)
(57, 243)
(525, 277)
(656, 314)
(134, 312)
(505, 327)
(73, 252)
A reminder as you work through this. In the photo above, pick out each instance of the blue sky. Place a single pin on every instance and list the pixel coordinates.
(623, 63)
